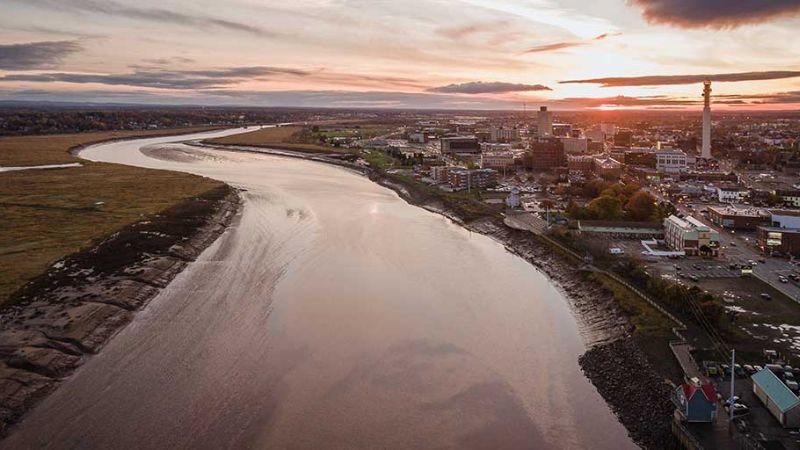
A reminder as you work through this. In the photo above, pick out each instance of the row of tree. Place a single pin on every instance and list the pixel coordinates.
(619, 201)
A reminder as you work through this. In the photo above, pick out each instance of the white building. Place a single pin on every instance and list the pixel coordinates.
(503, 134)
(731, 194)
(573, 145)
(497, 160)
(671, 161)
(690, 236)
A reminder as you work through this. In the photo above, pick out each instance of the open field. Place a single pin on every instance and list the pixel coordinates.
(50, 214)
(54, 149)
(284, 138)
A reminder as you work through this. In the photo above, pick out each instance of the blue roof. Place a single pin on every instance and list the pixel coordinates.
(783, 397)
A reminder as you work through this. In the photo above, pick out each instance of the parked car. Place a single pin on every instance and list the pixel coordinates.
(737, 368)
(739, 410)
(791, 384)
(783, 279)
(694, 278)
(777, 369)
(758, 368)
(749, 369)
(765, 296)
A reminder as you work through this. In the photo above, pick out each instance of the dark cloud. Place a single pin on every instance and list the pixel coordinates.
(662, 80)
(163, 79)
(714, 13)
(759, 99)
(481, 87)
(622, 100)
(35, 55)
(569, 44)
(117, 9)
(553, 47)
(603, 36)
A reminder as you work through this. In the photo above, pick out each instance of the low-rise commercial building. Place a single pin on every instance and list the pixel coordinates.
(738, 218)
(497, 160)
(671, 161)
(777, 398)
(461, 144)
(691, 236)
(774, 239)
(782, 218)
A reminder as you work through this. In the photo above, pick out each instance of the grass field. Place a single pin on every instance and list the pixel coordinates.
(285, 138)
(49, 214)
(53, 149)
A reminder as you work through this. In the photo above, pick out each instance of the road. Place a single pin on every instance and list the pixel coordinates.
(739, 247)
(332, 315)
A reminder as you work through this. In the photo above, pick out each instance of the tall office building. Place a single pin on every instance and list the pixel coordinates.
(545, 122)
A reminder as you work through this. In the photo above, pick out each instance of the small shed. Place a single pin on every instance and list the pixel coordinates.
(778, 398)
(696, 403)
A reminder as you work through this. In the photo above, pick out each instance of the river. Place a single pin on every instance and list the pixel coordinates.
(331, 315)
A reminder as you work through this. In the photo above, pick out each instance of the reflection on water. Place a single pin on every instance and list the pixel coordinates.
(334, 315)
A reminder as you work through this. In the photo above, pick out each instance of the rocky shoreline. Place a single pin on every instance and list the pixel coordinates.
(57, 321)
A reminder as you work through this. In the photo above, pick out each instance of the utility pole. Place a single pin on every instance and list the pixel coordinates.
(731, 409)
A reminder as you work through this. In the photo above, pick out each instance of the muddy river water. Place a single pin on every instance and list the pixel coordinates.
(332, 315)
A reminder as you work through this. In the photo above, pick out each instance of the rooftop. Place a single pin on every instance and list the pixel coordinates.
(783, 397)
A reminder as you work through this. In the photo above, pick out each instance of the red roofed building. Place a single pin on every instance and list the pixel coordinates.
(696, 403)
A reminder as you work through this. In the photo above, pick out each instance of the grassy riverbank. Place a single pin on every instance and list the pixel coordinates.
(284, 138)
(50, 214)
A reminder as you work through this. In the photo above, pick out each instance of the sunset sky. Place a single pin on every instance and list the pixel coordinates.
(412, 53)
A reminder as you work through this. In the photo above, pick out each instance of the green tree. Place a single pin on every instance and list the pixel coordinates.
(642, 206)
(606, 207)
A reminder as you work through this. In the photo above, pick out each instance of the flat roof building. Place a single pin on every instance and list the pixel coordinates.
(671, 161)
(738, 218)
(459, 144)
(777, 398)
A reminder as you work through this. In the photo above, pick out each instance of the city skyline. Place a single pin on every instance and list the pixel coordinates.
(467, 54)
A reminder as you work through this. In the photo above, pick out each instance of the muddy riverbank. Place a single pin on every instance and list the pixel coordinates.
(58, 320)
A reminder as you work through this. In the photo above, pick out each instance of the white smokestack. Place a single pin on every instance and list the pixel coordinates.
(706, 150)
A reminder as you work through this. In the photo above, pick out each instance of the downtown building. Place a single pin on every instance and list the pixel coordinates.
(471, 179)
(547, 154)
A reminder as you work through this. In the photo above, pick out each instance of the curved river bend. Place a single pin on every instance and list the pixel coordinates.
(333, 315)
